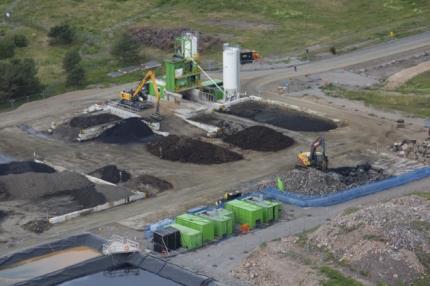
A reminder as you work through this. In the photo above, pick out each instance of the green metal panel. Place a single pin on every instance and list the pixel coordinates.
(223, 224)
(227, 213)
(271, 209)
(181, 74)
(161, 89)
(205, 226)
(190, 238)
(245, 213)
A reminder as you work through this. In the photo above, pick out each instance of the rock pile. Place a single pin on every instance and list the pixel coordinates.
(187, 150)
(149, 184)
(412, 149)
(111, 173)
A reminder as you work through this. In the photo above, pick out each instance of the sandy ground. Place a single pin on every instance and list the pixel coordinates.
(357, 140)
(398, 79)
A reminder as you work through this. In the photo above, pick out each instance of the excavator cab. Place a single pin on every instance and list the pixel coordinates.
(314, 158)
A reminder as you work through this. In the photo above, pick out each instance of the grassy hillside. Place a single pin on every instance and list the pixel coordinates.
(419, 84)
(274, 27)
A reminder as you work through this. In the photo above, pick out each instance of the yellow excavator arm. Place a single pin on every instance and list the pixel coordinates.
(150, 75)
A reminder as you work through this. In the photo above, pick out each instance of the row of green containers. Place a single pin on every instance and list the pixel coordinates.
(197, 229)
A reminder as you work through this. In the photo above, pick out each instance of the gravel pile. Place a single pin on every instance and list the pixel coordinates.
(187, 150)
(20, 167)
(37, 226)
(260, 138)
(127, 131)
(412, 149)
(311, 181)
(112, 174)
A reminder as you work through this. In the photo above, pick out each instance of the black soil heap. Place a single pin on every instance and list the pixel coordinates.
(87, 121)
(112, 174)
(24, 167)
(127, 131)
(187, 150)
(260, 138)
(282, 117)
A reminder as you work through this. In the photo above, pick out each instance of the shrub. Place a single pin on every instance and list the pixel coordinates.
(76, 76)
(61, 34)
(126, 48)
(71, 59)
(7, 47)
(20, 40)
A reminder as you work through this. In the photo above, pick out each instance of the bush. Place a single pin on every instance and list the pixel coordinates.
(61, 34)
(71, 59)
(18, 79)
(20, 40)
(126, 48)
(7, 47)
(76, 76)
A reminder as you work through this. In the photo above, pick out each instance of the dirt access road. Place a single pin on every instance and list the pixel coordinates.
(348, 145)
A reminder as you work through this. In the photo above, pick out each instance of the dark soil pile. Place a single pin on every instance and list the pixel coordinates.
(260, 138)
(20, 167)
(282, 117)
(360, 174)
(187, 150)
(164, 38)
(127, 131)
(37, 226)
(145, 183)
(111, 173)
(87, 121)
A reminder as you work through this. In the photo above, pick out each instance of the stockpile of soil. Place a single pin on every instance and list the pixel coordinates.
(87, 121)
(164, 38)
(20, 167)
(260, 138)
(127, 131)
(282, 117)
(148, 183)
(37, 226)
(311, 181)
(187, 150)
(111, 173)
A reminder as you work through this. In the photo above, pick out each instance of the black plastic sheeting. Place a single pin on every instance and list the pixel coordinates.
(103, 263)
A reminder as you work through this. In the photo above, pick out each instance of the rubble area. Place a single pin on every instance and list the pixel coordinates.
(37, 226)
(148, 184)
(20, 167)
(311, 181)
(412, 149)
(112, 174)
(389, 242)
(281, 117)
(259, 138)
(164, 38)
(384, 243)
(130, 130)
(188, 150)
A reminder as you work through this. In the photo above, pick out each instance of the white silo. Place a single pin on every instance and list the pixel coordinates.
(231, 71)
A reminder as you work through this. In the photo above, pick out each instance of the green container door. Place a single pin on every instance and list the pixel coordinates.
(271, 209)
(222, 224)
(190, 238)
(277, 209)
(245, 213)
(205, 226)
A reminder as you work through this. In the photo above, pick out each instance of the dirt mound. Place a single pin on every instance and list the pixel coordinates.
(311, 181)
(148, 183)
(164, 38)
(37, 226)
(127, 131)
(260, 138)
(24, 167)
(111, 173)
(279, 116)
(187, 150)
(87, 121)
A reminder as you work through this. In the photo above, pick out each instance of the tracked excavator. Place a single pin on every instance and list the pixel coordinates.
(138, 97)
(314, 158)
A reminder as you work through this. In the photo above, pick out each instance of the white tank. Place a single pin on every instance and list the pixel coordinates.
(191, 46)
(231, 71)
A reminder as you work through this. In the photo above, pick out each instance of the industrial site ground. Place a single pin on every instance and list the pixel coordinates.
(363, 134)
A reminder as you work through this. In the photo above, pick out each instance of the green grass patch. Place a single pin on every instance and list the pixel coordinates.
(350, 210)
(416, 104)
(336, 278)
(419, 84)
(425, 195)
(374, 237)
(421, 225)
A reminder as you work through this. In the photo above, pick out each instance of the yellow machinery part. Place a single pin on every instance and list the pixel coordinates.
(304, 159)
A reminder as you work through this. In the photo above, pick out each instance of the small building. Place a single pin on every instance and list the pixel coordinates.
(245, 213)
(190, 238)
(271, 209)
(204, 225)
(166, 239)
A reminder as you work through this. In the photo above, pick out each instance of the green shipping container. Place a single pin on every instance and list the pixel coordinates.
(227, 213)
(245, 213)
(271, 209)
(190, 238)
(223, 224)
(205, 226)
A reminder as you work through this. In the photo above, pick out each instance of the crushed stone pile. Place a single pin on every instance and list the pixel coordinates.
(127, 131)
(260, 138)
(187, 150)
(37, 226)
(111, 173)
(310, 181)
(149, 184)
(164, 38)
(388, 241)
(412, 149)
(20, 167)
(87, 121)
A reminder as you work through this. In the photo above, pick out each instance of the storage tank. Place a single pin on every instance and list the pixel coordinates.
(231, 71)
